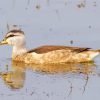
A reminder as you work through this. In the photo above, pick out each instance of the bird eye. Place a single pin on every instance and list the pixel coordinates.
(10, 36)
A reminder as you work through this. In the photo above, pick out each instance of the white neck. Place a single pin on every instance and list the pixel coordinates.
(18, 50)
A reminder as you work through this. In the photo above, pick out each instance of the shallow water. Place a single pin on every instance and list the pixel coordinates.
(54, 22)
(49, 82)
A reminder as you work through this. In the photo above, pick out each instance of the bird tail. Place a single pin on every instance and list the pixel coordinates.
(94, 53)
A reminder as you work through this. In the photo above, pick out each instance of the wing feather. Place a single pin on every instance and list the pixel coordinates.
(46, 49)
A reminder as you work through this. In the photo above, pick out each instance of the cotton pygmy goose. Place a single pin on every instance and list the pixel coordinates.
(46, 54)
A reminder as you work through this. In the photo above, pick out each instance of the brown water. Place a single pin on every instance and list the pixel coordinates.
(54, 22)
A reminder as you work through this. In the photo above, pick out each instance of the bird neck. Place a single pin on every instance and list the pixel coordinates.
(19, 50)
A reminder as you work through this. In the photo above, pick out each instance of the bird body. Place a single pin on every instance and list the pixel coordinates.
(46, 54)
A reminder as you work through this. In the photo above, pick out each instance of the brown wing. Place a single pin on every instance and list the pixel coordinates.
(46, 49)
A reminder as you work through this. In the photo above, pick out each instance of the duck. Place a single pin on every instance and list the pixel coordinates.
(47, 54)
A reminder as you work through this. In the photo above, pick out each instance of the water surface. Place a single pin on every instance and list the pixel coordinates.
(50, 22)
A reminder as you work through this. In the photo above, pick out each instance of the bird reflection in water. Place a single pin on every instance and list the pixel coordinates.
(16, 77)
(83, 68)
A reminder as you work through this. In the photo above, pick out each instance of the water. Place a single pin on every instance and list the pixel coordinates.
(49, 82)
(54, 22)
